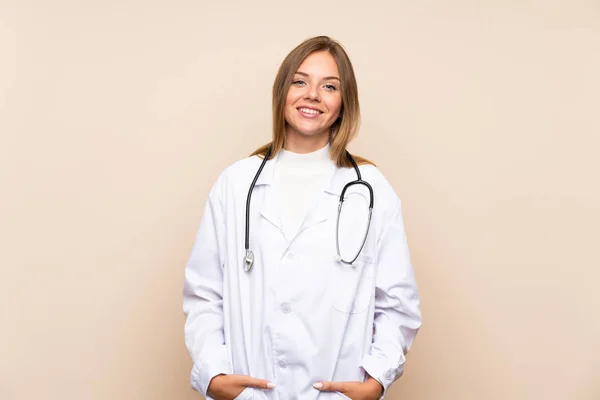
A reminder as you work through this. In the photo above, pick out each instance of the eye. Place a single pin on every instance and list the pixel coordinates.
(298, 82)
(330, 87)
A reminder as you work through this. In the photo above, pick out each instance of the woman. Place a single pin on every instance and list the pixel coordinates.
(299, 307)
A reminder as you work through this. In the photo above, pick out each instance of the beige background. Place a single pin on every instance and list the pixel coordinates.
(117, 116)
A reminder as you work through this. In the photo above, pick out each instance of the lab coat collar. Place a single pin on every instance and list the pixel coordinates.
(267, 175)
(339, 178)
(319, 212)
(327, 201)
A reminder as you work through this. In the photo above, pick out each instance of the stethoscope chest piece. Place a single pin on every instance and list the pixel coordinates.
(248, 260)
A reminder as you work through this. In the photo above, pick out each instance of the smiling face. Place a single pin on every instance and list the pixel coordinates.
(313, 102)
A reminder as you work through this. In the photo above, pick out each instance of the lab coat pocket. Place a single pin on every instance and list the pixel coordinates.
(247, 394)
(353, 285)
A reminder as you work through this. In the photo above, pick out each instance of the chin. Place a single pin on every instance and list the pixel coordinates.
(310, 132)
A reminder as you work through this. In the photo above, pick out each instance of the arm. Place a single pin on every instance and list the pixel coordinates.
(203, 299)
(397, 304)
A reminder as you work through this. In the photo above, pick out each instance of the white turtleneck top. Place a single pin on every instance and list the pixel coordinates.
(299, 178)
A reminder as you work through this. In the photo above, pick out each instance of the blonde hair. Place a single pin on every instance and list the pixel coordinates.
(345, 128)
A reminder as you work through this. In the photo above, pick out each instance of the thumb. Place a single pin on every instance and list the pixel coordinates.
(249, 381)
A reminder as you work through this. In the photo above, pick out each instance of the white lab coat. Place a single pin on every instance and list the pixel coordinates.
(299, 316)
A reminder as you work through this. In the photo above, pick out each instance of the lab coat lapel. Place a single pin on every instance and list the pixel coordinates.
(326, 203)
(268, 207)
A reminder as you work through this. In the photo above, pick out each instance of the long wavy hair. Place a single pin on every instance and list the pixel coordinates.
(345, 128)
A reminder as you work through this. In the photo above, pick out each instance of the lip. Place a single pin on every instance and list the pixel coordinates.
(306, 115)
(309, 107)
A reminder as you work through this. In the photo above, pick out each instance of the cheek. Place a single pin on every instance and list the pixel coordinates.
(335, 105)
(291, 99)
(289, 105)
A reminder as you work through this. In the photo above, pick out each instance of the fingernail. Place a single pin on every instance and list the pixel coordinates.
(317, 385)
(271, 385)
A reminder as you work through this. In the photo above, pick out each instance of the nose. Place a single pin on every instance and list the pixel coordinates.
(312, 93)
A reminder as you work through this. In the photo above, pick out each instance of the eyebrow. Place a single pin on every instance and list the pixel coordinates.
(327, 78)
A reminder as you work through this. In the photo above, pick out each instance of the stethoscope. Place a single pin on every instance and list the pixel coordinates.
(249, 258)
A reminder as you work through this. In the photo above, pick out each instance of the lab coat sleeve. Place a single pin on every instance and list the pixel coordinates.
(397, 305)
(203, 299)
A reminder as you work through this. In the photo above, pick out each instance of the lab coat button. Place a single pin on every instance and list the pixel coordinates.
(285, 308)
(389, 374)
(290, 255)
(282, 363)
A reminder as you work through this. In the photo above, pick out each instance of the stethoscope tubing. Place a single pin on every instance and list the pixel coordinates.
(249, 256)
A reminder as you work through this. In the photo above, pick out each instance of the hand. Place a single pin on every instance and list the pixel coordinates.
(228, 387)
(369, 390)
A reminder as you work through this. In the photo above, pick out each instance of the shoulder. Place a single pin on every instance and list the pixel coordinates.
(375, 177)
(385, 196)
(242, 168)
(240, 173)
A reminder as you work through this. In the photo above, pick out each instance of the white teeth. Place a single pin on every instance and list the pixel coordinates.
(309, 111)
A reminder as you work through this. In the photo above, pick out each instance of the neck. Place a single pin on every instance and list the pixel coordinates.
(302, 144)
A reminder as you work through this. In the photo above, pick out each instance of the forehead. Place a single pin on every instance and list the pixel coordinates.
(319, 63)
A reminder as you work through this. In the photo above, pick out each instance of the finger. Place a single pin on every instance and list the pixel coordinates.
(249, 381)
(326, 386)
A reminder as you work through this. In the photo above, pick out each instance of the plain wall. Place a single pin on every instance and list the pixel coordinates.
(116, 117)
